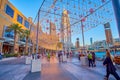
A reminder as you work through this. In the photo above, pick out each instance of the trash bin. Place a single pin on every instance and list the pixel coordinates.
(64, 58)
(36, 65)
(28, 60)
(84, 60)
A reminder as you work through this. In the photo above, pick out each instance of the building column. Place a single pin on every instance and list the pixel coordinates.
(116, 6)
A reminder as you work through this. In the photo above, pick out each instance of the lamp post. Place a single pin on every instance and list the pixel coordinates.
(37, 37)
(38, 20)
(83, 36)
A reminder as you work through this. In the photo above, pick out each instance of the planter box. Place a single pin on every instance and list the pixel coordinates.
(36, 65)
(84, 60)
(28, 60)
(64, 58)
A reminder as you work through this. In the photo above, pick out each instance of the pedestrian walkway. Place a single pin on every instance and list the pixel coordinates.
(55, 72)
(16, 69)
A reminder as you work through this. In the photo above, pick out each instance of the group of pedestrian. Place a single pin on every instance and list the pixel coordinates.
(60, 56)
(91, 59)
(63, 56)
(50, 56)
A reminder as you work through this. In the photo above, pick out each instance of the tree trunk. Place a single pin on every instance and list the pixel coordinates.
(15, 35)
(26, 45)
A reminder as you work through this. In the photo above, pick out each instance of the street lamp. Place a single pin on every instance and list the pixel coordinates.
(37, 36)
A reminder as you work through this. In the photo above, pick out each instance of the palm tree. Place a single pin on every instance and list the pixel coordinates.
(17, 30)
(26, 34)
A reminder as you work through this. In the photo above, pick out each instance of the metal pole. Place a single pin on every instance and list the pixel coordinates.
(83, 35)
(37, 34)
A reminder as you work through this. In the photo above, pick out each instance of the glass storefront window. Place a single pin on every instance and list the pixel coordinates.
(8, 34)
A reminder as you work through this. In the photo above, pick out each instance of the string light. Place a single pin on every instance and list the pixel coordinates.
(77, 12)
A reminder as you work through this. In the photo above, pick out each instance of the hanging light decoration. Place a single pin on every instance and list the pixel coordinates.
(52, 6)
(91, 10)
(47, 21)
(56, 20)
(103, 1)
(83, 20)
(80, 16)
(47, 28)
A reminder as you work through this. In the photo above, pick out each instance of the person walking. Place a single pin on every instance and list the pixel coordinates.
(93, 59)
(90, 59)
(48, 56)
(59, 56)
(110, 68)
(67, 54)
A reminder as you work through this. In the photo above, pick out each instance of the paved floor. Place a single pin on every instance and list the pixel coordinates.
(16, 69)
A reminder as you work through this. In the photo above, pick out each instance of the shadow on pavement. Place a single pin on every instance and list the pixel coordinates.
(33, 76)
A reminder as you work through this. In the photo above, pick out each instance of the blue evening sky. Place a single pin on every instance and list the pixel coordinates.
(30, 8)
